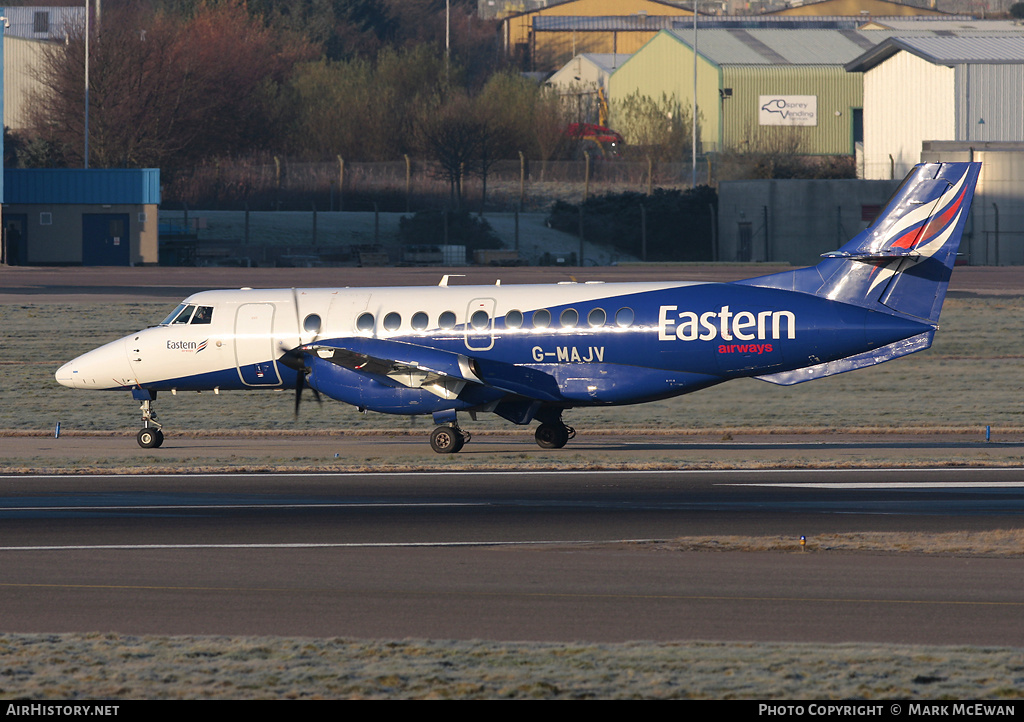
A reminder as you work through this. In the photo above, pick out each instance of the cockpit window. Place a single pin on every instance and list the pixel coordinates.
(185, 315)
(189, 314)
(174, 314)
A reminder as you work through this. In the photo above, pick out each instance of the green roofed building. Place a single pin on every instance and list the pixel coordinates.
(757, 89)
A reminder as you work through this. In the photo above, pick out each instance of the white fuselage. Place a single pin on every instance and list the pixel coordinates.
(251, 328)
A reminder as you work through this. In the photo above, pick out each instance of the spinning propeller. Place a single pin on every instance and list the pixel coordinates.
(295, 358)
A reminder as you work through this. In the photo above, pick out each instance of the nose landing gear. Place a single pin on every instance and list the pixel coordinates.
(150, 436)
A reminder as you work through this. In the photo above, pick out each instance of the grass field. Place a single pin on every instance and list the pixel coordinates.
(972, 377)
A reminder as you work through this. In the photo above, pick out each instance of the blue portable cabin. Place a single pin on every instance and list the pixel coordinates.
(89, 217)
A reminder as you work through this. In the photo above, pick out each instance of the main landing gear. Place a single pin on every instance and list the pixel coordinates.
(448, 439)
(150, 436)
(554, 435)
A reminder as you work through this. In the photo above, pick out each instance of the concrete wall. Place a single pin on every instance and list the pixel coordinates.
(995, 232)
(794, 221)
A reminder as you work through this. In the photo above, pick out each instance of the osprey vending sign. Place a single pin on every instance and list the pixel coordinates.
(788, 109)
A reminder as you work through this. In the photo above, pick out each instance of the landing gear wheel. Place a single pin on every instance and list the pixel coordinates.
(447, 440)
(553, 436)
(150, 438)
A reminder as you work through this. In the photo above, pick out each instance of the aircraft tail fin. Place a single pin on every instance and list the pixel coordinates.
(902, 263)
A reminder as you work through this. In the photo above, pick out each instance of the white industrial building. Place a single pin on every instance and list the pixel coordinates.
(583, 83)
(587, 72)
(939, 88)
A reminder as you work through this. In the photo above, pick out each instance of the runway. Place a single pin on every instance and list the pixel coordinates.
(551, 556)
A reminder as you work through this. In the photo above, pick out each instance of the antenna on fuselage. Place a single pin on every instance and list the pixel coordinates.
(445, 277)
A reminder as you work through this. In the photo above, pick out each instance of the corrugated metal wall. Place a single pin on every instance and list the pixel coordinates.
(21, 58)
(665, 66)
(730, 123)
(993, 94)
(78, 186)
(906, 100)
(43, 23)
(518, 36)
(837, 92)
(555, 49)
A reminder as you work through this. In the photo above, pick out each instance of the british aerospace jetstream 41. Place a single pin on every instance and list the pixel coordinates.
(530, 352)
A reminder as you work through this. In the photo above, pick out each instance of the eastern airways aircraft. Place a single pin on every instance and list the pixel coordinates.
(529, 352)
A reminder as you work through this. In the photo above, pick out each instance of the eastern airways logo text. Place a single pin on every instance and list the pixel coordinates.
(675, 325)
(186, 346)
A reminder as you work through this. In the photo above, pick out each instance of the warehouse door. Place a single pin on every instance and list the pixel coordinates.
(105, 239)
(15, 243)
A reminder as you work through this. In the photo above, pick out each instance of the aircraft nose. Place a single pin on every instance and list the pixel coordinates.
(106, 367)
(65, 375)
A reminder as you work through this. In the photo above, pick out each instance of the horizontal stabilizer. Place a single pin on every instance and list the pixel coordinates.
(851, 363)
(884, 255)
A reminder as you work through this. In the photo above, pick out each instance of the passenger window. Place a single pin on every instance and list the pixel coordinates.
(311, 324)
(365, 322)
(204, 314)
(569, 318)
(446, 320)
(597, 317)
(479, 319)
(541, 318)
(392, 322)
(514, 319)
(420, 321)
(624, 317)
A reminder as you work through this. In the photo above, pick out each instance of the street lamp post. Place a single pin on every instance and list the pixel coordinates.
(693, 130)
(86, 84)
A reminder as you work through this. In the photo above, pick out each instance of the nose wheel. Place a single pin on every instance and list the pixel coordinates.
(150, 436)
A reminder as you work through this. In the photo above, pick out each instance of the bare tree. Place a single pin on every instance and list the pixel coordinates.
(770, 151)
(164, 91)
(451, 134)
(551, 116)
(661, 127)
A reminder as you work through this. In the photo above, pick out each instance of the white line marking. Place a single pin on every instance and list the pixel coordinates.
(200, 507)
(893, 485)
(471, 472)
(311, 545)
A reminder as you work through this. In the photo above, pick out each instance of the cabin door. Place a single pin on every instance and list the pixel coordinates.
(255, 355)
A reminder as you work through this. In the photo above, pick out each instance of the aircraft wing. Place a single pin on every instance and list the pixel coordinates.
(442, 373)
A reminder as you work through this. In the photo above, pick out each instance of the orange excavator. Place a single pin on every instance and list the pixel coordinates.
(599, 136)
(592, 135)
